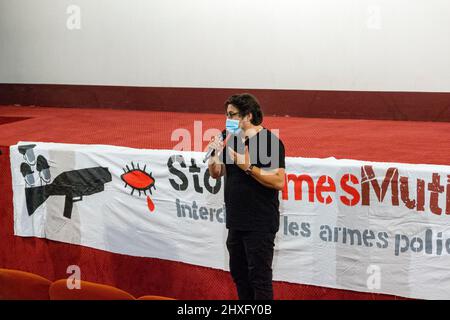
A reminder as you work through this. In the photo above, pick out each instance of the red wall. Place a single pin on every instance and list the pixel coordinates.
(417, 106)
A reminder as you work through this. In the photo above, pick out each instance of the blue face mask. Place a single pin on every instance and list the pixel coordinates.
(232, 126)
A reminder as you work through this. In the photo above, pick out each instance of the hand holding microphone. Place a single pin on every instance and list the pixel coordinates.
(217, 143)
(215, 146)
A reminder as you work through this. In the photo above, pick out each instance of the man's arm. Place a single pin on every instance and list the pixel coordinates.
(269, 178)
(215, 166)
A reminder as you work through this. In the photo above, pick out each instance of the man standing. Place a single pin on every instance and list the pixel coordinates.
(253, 164)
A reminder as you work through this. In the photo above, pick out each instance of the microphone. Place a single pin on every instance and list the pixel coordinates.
(211, 151)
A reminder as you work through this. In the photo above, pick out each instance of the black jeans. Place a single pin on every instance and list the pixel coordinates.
(251, 256)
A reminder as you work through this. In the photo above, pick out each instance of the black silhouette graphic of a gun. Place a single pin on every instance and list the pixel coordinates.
(72, 184)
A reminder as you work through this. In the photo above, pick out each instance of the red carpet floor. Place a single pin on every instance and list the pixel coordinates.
(372, 140)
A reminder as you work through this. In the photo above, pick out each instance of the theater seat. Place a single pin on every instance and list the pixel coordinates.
(148, 297)
(21, 285)
(88, 291)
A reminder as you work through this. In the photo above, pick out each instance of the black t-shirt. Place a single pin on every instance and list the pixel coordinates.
(250, 206)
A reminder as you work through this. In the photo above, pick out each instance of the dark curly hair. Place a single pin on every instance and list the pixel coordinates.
(246, 104)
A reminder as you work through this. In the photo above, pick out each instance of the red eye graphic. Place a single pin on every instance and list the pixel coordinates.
(139, 180)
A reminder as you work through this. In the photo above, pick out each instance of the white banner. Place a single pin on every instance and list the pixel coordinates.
(347, 224)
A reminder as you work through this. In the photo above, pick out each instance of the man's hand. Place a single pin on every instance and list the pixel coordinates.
(241, 160)
(216, 144)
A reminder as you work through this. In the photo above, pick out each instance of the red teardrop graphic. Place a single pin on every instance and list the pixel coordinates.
(150, 204)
